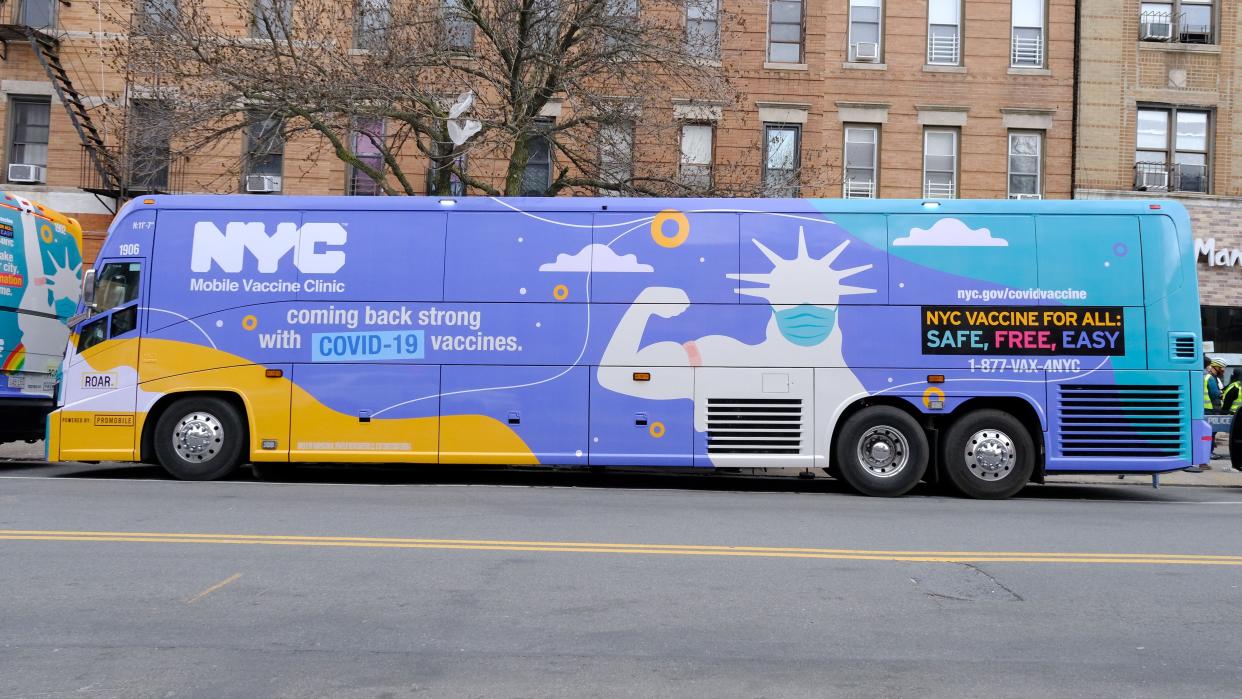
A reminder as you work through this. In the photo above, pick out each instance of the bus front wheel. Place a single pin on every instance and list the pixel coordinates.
(988, 454)
(200, 438)
(881, 451)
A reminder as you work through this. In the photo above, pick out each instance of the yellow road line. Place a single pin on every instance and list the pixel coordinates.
(647, 549)
(227, 581)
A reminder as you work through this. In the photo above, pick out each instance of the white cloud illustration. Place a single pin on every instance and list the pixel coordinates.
(951, 232)
(595, 258)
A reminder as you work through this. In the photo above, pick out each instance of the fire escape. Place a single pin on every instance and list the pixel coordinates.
(111, 171)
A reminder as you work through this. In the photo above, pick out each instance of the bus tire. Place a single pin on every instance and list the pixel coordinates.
(988, 455)
(881, 451)
(200, 439)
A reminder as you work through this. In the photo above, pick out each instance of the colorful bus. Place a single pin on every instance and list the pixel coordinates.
(981, 344)
(40, 284)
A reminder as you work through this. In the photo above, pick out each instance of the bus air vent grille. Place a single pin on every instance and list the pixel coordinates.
(1121, 421)
(1183, 346)
(754, 425)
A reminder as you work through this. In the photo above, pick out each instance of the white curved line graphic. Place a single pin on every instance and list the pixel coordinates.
(186, 319)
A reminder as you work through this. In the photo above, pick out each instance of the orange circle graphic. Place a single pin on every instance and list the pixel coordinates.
(561, 292)
(656, 429)
(250, 322)
(657, 228)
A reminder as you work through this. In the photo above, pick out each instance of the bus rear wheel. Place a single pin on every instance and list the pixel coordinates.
(881, 451)
(988, 455)
(200, 439)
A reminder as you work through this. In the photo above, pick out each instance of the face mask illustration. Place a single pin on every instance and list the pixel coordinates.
(806, 325)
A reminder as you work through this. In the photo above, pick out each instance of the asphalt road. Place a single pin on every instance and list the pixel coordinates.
(117, 582)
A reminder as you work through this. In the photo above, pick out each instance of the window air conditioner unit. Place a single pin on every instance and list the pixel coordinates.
(1153, 180)
(1157, 31)
(262, 184)
(20, 172)
(867, 51)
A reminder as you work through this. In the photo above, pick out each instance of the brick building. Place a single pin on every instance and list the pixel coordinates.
(864, 98)
(1156, 118)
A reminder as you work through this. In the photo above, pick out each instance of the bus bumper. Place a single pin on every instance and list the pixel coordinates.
(1202, 448)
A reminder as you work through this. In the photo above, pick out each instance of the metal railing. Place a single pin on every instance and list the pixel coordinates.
(859, 189)
(939, 190)
(1157, 26)
(142, 171)
(944, 50)
(1027, 51)
(1178, 177)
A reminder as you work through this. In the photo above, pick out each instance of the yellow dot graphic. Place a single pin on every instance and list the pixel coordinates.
(675, 240)
(561, 292)
(45, 233)
(250, 322)
(656, 429)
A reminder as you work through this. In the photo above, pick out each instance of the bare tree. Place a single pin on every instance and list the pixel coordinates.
(606, 70)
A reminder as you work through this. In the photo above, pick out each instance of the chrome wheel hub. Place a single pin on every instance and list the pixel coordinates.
(990, 455)
(198, 437)
(883, 451)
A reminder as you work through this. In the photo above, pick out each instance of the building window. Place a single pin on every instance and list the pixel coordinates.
(865, 31)
(616, 156)
(782, 155)
(150, 136)
(372, 18)
(155, 16)
(940, 163)
(1174, 160)
(28, 144)
(944, 32)
(272, 18)
(366, 141)
(622, 23)
(458, 27)
(38, 14)
(1025, 164)
(703, 29)
(861, 158)
(537, 175)
(1027, 34)
(1188, 21)
(265, 155)
(695, 170)
(785, 31)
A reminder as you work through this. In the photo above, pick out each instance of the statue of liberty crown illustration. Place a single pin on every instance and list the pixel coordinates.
(803, 277)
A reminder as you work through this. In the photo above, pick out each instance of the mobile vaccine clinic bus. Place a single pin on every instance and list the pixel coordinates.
(981, 343)
(40, 283)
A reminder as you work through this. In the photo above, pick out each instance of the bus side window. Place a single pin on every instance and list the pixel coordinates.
(117, 285)
(124, 320)
(93, 333)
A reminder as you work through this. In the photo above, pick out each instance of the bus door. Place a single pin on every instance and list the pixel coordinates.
(101, 376)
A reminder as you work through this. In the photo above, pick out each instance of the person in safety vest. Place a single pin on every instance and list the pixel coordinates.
(1231, 397)
(1213, 369)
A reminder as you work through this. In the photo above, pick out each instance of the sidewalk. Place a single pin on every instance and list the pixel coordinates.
(1221, 476)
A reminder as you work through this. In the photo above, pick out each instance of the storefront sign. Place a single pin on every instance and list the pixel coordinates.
(1206, 251)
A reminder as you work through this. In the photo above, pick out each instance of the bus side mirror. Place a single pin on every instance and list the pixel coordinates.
(88, 289)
